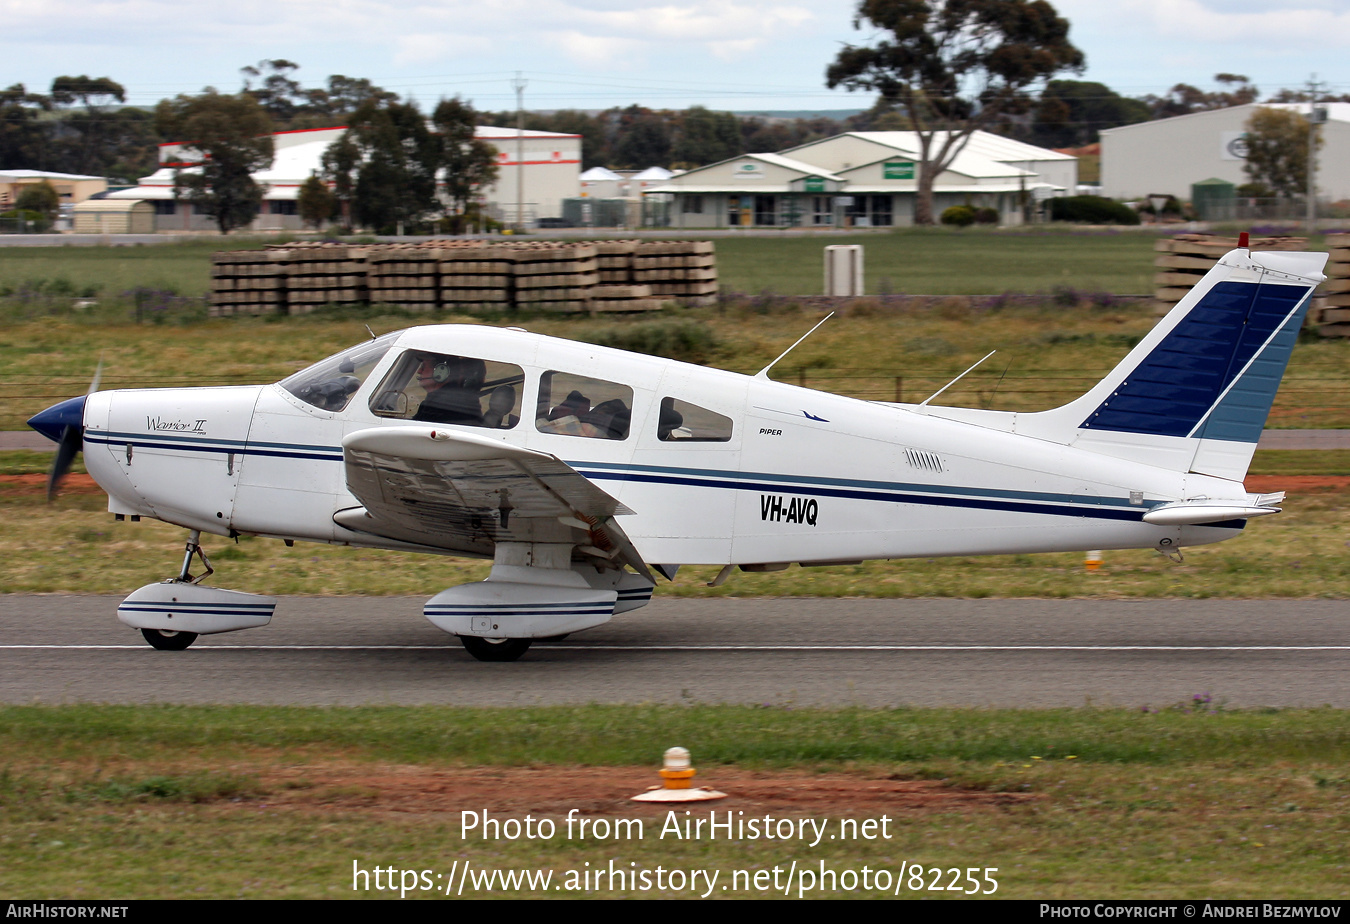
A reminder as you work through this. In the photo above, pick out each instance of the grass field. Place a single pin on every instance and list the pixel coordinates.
(30, 273)
(949, 262)
(928, 262)
(1052, 346)
(1172, 801)
(1048, 352)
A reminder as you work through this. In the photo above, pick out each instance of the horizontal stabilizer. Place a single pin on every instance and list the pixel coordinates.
(1196, 514)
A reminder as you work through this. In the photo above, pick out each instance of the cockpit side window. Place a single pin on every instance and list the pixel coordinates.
(330, 384)
(578, 405)
(451, 389)
(682, 422)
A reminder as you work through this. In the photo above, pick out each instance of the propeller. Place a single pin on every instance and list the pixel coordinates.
(64, 424)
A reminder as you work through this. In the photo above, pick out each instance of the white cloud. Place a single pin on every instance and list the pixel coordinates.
(1259, 25)
(435, 47)
(598, 51)
(413, 33)
(1299, 25)
(734, 49)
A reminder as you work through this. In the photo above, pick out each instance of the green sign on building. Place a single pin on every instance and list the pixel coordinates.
(898, 170)
(815, 184)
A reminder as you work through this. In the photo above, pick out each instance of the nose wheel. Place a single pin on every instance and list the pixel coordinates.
(165, 640)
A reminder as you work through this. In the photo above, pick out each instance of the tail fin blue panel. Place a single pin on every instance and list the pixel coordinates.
(1214, 376)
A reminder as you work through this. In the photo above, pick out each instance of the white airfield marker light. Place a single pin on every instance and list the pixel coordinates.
(677, 774)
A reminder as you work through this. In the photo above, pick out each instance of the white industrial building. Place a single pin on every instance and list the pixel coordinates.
(602, 183)
(864, 179)
(546, 165)
(547, 173)
(1166, 156)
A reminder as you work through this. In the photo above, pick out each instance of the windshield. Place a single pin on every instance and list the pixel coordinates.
(330, 384)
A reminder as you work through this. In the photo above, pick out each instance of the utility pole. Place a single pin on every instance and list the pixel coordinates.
(1316, 116)
(519, 85)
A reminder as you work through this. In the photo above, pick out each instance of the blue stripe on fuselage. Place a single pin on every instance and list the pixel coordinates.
(192, 444)
(1052, 504)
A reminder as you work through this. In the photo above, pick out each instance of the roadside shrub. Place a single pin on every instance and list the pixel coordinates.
(41, 198)
(986, 216)
(1092, 210)
(959, 215)
(15, 219)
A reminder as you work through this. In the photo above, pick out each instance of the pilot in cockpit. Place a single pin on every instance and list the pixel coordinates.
(453, 385)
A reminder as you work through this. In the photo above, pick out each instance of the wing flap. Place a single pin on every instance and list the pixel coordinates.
(464, 492)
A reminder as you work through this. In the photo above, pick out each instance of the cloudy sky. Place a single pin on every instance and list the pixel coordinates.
(592, 54)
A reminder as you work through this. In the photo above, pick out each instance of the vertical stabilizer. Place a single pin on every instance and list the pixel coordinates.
(1195, 393)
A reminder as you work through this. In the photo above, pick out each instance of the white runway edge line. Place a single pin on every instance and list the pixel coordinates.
(204, 648)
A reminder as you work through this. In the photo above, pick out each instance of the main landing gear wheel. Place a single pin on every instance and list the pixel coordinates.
(495, 649)
(165, 640)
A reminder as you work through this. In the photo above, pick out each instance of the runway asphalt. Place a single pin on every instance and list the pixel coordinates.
(1032, 653)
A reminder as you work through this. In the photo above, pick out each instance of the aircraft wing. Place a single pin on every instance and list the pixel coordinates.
(463, 492)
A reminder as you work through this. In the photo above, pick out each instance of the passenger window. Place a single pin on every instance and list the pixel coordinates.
(450, 389)
(682, 422)
(578, 405)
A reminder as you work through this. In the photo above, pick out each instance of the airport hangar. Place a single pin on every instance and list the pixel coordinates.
(1166, 156)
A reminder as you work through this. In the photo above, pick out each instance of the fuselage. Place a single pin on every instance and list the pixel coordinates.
(717, 467)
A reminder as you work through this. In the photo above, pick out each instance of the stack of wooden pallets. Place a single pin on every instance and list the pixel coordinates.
(553, 277)
(1331, 309)
(618, 291)
(623, 298)
(464, 275)
(248, 282)
(615, 261)
(474, 275)
(323, 274)
(685, 271)
(404, 274)
(1183, 260)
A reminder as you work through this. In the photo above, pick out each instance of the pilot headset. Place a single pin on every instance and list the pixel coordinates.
(443, 370)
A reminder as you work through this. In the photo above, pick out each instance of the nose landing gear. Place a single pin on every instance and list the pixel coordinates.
(172, 614)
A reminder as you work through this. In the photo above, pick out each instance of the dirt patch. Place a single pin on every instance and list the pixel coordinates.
(608, 791)
(27, 485)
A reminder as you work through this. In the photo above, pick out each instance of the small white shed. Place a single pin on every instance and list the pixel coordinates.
(115, 216)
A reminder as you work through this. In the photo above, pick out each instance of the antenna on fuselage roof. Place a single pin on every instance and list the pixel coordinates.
(957, 379)
(764, 373)
(371, 332)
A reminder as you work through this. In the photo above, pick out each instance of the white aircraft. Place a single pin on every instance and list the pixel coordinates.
(581, 470)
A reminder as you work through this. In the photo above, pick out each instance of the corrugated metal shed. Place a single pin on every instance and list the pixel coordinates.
(115, 216)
